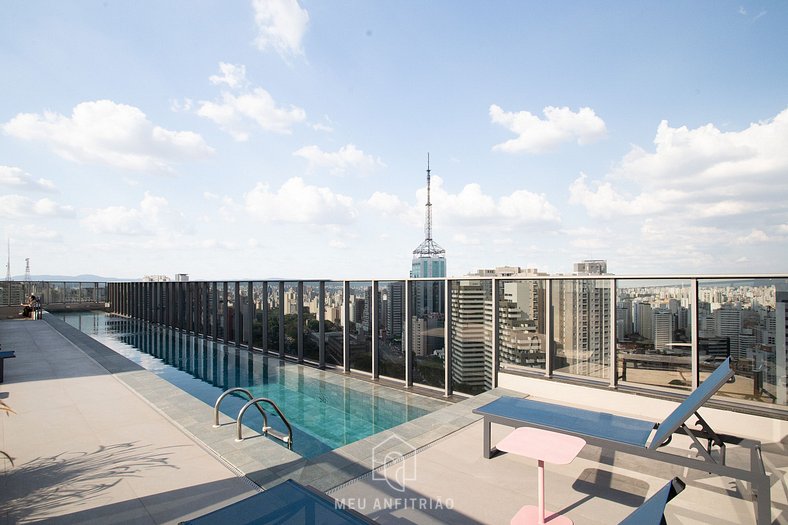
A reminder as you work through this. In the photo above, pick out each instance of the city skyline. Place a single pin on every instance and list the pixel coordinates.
(284, 138)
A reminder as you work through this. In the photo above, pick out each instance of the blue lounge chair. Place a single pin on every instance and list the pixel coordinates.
(631, 436)
(652, 511)
(288, 503)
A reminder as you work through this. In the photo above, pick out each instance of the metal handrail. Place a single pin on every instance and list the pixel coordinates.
(266, 429)
(233, 391)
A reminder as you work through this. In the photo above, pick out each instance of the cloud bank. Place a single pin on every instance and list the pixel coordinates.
(105, 132)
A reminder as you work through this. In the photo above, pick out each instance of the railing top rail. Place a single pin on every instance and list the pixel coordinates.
(609, 277)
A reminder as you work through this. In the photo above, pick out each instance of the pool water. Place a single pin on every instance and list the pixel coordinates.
(325, 413)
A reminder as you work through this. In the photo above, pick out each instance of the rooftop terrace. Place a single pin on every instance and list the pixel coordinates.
(96, 439)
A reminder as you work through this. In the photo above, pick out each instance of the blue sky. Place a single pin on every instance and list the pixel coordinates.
(289, 139)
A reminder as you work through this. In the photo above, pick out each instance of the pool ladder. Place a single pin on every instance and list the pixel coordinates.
(257, 403)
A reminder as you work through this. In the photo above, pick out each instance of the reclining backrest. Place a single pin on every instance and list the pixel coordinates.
(692, 403)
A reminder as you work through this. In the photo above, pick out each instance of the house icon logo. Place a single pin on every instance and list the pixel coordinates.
(390, 462)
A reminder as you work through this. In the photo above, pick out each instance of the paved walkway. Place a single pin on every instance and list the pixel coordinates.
(88, 449)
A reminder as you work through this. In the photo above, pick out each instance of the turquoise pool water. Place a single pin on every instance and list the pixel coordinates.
(325, 413)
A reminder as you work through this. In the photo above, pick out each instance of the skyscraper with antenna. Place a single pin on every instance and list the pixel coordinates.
(429, 259)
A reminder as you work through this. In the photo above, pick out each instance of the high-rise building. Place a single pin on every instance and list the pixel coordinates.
(395, 308)
(591, 267)
(777, 374)
(727, 322)
(581, 321)
(662, 325)
(468, 333)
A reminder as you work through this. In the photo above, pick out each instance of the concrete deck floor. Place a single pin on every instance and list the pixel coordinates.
(597, 488)
(96, 452)
(87, 449)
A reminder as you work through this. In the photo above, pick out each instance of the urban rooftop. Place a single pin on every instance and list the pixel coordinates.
(633, 346)
(310, 366)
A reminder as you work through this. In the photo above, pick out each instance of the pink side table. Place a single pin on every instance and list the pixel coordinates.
(541, 445)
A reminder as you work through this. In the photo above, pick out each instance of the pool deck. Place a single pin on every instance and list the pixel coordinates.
(97, 439)
(87, 449)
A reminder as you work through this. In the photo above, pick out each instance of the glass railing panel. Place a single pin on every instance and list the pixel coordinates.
(391, 311)
(164, 305)
(291, 318)
(522, 339)
(5, 294)
(221, 299)
(260, 301)
(102, 293)
(87, 292)
(72, 293)
(427, 322)
(193, 317)
(360, 316)
(272, 296)
(654, 332)
(311, 321)
(57, 292)
(334, 307)
(212, 308)
(581, 327)
(232, 312)
(745, 319)
(242, 309)
(471, 335)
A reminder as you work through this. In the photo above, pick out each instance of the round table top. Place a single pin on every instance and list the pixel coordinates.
(546, 445)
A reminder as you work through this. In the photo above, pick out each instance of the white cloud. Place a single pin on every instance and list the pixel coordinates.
(108, 133)
(153, 216)
(281, 25)
(235, 113)
(603, 200)
(754, 237)
(387, 203)
(347, 158)
(233, 75)
(560, 125)
(297, 202)
(337, 244)
(18, 179)
(700, 173)
(18, 206)
(472, 207)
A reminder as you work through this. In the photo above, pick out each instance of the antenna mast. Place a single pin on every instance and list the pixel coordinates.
(8, 264)
(428, 247)
(428, 214)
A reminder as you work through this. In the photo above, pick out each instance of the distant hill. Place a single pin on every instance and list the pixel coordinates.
(72, 278)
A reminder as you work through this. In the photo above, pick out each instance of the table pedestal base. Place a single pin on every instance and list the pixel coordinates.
(529, 515)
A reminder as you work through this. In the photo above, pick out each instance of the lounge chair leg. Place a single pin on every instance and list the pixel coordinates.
(761, 488)
(486, 441)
